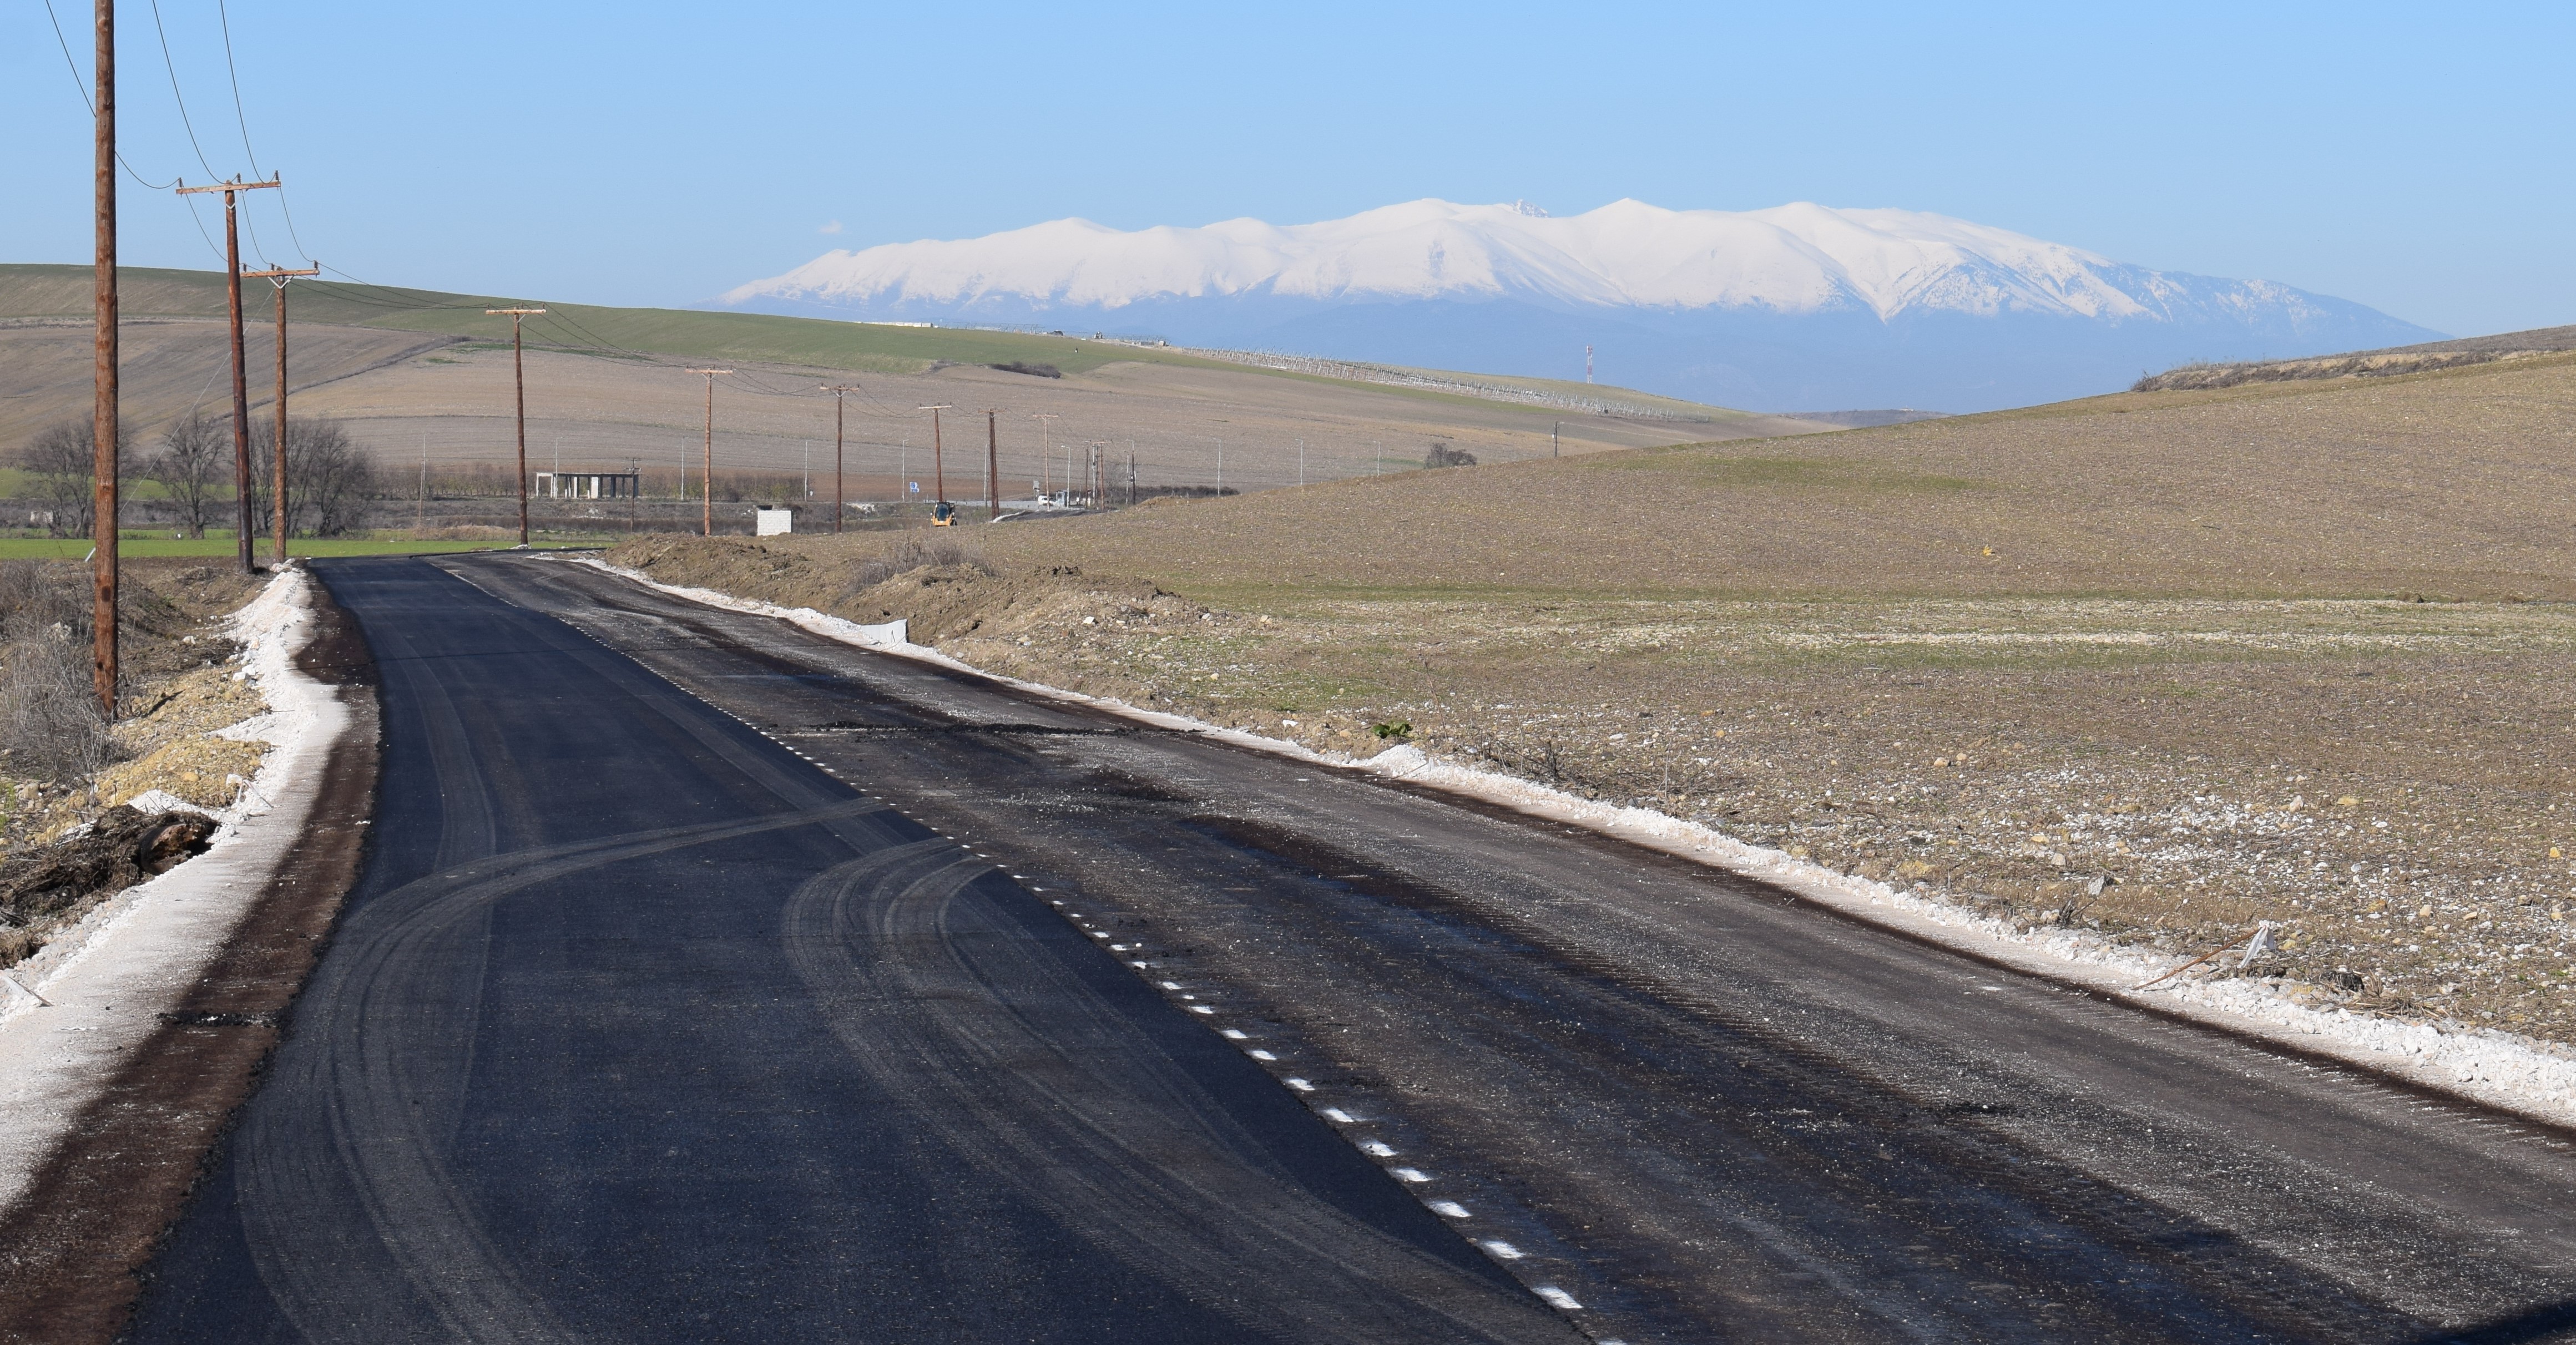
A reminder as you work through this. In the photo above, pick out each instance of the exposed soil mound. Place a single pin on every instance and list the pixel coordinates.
(50, 886)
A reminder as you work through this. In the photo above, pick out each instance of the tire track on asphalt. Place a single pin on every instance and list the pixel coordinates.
(1045, 1084)
(395, 1038)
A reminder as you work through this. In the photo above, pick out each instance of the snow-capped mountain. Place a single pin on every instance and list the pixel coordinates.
(1795, 307)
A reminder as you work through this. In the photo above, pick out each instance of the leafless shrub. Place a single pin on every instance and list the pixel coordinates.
(193, 464)
(1448, 455)
(50, 723)
(327, 478)
(59, 458)
(38, 594)
(920, 550)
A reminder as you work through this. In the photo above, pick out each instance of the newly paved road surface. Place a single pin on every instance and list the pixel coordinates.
(646, 1026)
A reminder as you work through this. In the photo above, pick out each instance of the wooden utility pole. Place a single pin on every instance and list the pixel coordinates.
(279, 278)
(519, 383)
(103, 371)
(938, 463)
(707, 505)
(1046, 448)
(836, 389)
(241, 383)
(992, 466)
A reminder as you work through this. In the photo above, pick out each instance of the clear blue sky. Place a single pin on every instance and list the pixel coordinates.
(2410, 157)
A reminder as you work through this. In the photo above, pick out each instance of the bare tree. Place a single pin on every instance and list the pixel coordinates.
(1448, 455)
(328, 479)
(59, 459)
(193, 463)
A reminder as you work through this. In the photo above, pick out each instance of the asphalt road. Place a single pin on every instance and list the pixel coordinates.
(643, 1024)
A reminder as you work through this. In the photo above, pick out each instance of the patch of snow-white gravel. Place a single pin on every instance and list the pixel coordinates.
(75, 1012)
(2518, 1074)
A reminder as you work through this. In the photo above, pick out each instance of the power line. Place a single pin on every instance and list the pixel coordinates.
(201, 227)
(92, 105)
(184, 122)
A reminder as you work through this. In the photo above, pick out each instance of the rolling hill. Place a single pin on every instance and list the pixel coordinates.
(425, 376)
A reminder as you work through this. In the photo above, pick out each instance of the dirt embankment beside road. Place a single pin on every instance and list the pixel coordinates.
(67, 840)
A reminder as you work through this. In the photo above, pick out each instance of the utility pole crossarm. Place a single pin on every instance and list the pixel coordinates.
(231, 186)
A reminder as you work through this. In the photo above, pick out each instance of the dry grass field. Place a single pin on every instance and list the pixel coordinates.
(2160, 664)
(423, 376)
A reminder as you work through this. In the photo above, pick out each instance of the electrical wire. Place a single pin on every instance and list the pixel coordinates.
(233, 72)
(189, 124)
(92, 104)
(200, 222)
(242, 119)
(172, 66)
(397, 304)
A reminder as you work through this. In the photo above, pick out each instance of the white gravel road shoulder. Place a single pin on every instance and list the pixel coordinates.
(103, 982)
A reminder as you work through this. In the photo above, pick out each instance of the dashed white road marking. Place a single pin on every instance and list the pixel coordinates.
(1555, 1297)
